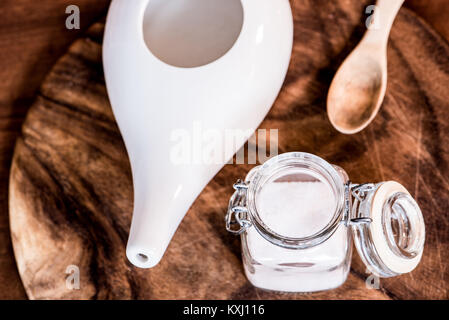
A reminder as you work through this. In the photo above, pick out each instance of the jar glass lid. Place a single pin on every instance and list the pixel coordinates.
(393, 242)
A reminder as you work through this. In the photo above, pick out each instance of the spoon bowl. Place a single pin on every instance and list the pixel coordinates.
(358, 88)
(356, 93)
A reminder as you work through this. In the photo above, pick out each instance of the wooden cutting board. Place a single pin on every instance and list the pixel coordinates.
(71, 190)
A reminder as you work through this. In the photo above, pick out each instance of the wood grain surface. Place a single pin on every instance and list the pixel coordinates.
(71, 194)
(32, 37)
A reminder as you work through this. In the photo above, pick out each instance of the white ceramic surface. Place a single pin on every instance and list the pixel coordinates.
(151, 99)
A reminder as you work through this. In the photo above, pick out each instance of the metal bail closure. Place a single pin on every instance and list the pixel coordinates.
(236, 217)
(388, 228)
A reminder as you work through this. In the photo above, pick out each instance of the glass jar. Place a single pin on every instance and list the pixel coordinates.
(297, 215)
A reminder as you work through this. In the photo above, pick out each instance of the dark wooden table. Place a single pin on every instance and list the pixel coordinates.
(32, 37)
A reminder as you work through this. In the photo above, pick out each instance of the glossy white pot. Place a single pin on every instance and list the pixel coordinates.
(172, 65)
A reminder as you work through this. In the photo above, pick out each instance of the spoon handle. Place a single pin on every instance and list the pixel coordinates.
(382, 20)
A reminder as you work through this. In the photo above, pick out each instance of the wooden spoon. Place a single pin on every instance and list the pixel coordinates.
(358, 88)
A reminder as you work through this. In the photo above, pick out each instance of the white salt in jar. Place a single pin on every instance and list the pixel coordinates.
(297, 215)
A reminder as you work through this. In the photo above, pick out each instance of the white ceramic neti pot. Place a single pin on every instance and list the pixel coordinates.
(174, 65)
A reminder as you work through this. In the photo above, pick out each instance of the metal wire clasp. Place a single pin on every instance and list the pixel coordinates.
(359, 192)
(237, 210)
